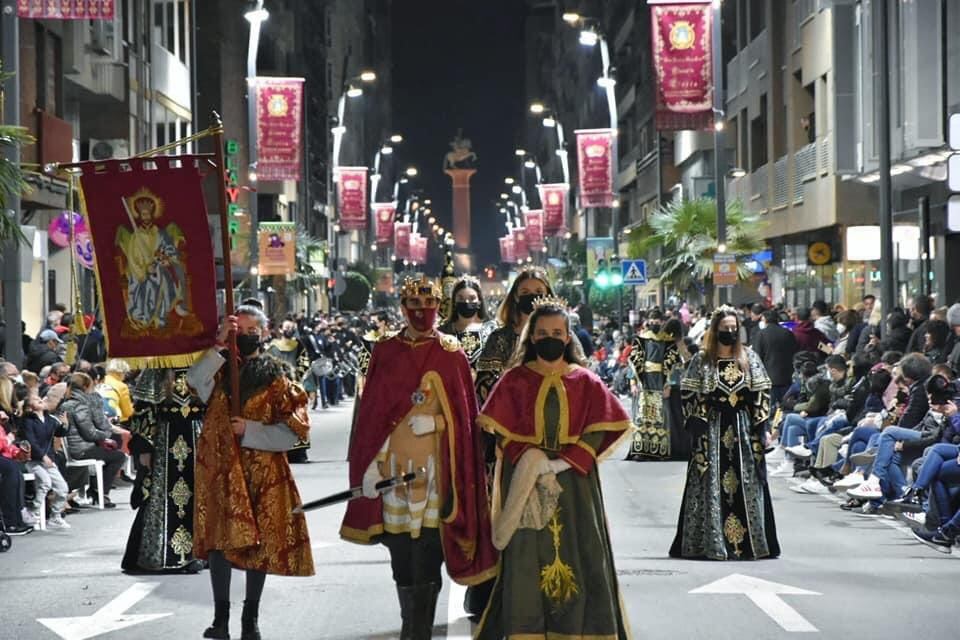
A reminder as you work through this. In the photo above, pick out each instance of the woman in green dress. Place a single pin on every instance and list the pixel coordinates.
(554, 420)
(726, 513)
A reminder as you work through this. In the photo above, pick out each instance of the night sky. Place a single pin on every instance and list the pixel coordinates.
(459, 64)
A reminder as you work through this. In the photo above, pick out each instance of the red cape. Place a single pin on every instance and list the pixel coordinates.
(465, 518)
(514, 412)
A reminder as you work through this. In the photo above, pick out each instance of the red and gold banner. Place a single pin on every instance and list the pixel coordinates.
(506, 249)
(521, 251)
(683, 61)
(278, 248)
(66, 9)
(596, 154)
(352, 198)
(401, 240)
(154, 257)
(534, 222)
(554, 200)
(279, 127)
(383, 216)
(418, 248)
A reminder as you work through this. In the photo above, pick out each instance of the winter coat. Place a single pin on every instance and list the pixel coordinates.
(818, 392)
(40, 356)
(827, 327)
(776, 347)
(809, 338)
(915, 344)
(40, 431)
(917, 407)
(88, 424)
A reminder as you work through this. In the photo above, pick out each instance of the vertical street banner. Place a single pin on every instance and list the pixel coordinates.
(279, 127)
(521, 250)
(683, 62)
(596, 154)
(599, 251)
(154, 263)
(419, 249)
(554, 199)
(383, 217)
(278, 248)
(414, 253)
(534, 222)
(506, 249)
(352, 198)
(66, 9)
(401, 240)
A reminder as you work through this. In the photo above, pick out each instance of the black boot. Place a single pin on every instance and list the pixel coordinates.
(407, 596)
(220, 629)
(248, 620)
(425, 610)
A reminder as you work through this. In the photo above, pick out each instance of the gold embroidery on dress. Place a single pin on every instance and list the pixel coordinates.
(730, 484)
(181, 495)
(557, 581)
(181, 451)
(734, 532)
(181, 386)
(182, 543)
(731, 373)
(729, 439)
(700, 458)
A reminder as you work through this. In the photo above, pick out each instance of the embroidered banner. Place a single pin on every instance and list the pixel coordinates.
(520, 249)
(401, 240)
(279, 127)
(418, 248)
(148, 230)
(683, 61)
(506, 249)
(534, 221)
(554, 200)
(278, 248)
(383, 216)
(595, 156)
(352, 198)
(66, 9)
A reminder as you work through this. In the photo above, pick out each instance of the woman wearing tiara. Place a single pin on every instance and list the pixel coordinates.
(726, 512)
(553, 420)
(469, 322)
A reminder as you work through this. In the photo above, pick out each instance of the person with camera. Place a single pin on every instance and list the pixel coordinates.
(90, 436)
(12, 453)
(39, 428)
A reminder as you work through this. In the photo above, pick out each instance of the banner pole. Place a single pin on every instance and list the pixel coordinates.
(228, 309)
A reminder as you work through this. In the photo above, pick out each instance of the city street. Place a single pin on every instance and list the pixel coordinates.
(840, 576)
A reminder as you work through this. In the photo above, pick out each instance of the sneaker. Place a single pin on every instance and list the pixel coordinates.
(852, 505)
(935, 540)
(783, 470)
(57, 522)
(869, 490)
(813, 486)
(911, 501)
(863, 458)
(913, 520)
(855, 479)
(843, 451)
(869, 510)
(775, 454)
(28, 517)
(801, 451)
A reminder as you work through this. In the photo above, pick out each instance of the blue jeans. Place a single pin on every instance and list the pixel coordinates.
(936, 456)
(887, 465)
(945, 490)
(829, 425)
(859, 441)
(795, 426)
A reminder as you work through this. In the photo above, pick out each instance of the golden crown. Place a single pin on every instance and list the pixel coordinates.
(422, 286)
(550, 301)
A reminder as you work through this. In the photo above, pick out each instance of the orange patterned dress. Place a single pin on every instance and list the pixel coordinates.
(245, 497)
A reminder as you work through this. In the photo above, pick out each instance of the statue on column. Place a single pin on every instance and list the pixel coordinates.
(461, 155)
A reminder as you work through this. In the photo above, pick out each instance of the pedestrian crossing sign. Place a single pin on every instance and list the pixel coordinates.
(634, 271)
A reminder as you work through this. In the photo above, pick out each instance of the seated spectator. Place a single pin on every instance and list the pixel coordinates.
(806, 416)
(809, 338)
(44, 351)
(823, 321)
(39, 428)
(90, 436)
(57, 372)
(896, 337)
(12, 453)
(935, 336)
(849, 325)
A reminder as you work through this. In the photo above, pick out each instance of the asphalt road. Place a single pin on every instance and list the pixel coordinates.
(840, 576)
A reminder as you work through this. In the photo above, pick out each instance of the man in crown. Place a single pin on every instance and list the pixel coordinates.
(418, 411)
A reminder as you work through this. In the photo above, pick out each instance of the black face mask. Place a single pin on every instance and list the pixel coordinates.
(289, 333)
(525, 302)
(728, 338)
(248, 344)
(468, 309)
(654, 328)
(550, 349)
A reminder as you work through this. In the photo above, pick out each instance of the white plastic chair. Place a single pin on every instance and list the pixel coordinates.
(29, 477)
(95, 467)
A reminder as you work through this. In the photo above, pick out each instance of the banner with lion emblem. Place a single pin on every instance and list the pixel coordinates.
(279, 127)
(154, 257)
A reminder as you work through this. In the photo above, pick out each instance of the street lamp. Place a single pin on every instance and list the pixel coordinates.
(537, 108)
(396, 138)
(589, 38)
(520, 153)
(571, 18)
(386, 150)
(412, 172)
(508, 181)
(368, 76)
(354, 91)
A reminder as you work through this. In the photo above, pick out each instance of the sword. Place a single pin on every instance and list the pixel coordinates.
(356, 492)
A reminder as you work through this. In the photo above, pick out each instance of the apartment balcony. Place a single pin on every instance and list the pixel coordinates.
(170, 76)
(747, 72)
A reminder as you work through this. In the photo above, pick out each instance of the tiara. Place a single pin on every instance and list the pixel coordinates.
(722, 309)
(533, 270)
(550, 301)
(422, 286)
(470, 279)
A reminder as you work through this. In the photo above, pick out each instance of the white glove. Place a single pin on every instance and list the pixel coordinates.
(422, 425)
(554, 466)
(370, 479)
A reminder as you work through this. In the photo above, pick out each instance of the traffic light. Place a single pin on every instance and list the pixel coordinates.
(602, 277)
(616, 277)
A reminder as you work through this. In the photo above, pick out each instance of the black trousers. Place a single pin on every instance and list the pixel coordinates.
(11, 492)
(113, 463)
(415, 561)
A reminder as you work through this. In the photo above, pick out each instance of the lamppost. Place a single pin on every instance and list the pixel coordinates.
(256, 16)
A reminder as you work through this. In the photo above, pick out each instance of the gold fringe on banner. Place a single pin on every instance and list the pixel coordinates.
(163, 362)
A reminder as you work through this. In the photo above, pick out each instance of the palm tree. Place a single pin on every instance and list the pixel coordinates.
(12, 181)
(687, 232)
(305, 277)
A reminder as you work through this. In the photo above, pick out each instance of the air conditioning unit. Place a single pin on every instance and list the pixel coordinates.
(109, 149)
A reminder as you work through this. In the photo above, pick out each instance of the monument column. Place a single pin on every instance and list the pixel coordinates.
(461, 217)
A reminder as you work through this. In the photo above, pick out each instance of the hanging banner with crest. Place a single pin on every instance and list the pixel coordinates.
(352, 198)
(534, 222)
(683, 61)
(401, 240)
(279, 127)
(66, 9)
(554, 200)
(384, 214)
(506, 249)
(596, 153)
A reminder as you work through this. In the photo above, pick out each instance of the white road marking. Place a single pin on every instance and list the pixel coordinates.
(459, 626)
(766, 595)
(110, 617)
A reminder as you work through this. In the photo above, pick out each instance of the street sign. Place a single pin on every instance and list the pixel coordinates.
(634, 271)
(724, 270)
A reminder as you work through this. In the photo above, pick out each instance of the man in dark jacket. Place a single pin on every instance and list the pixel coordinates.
(809, 338)
(776, 347)
(919, 315)
(44, 351)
